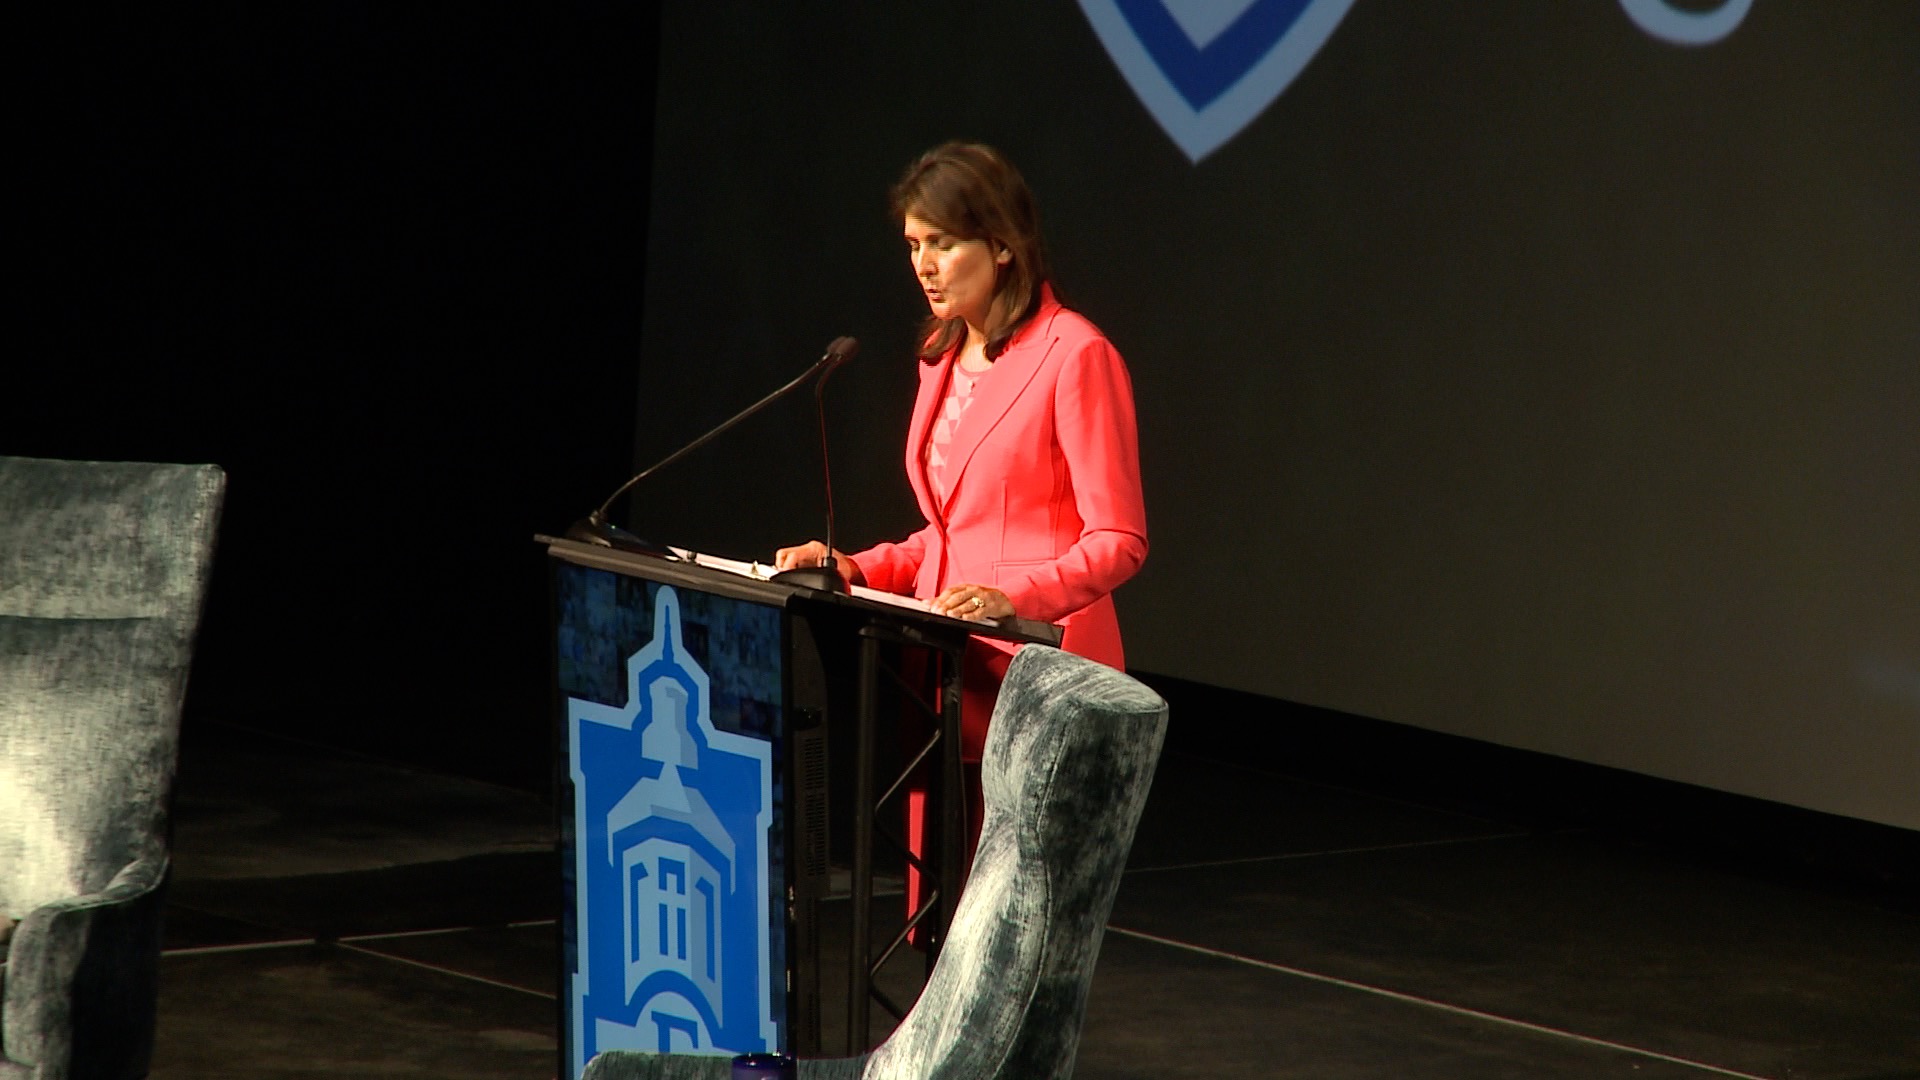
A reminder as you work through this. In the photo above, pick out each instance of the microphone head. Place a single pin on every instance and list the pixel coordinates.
(841, 351)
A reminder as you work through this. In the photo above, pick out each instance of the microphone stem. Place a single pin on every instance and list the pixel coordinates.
(600, 515)
(826, 468)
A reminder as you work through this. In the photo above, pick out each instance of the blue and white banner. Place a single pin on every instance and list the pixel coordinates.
(673, 948)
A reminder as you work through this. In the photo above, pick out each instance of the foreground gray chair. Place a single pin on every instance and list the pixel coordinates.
(103, 567)
(1067, 764)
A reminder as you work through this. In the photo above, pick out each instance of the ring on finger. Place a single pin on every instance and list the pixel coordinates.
(979, 603)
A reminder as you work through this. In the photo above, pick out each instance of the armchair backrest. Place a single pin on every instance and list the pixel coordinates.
(103, 570)
(1069, 758)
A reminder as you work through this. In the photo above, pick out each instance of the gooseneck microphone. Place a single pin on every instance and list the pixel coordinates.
(596, 529)
(826, 576)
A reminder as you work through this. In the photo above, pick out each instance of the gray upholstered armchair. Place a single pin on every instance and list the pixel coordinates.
(102, 570)
(1067, 764)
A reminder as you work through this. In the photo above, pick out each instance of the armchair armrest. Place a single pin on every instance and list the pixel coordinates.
(82, 976)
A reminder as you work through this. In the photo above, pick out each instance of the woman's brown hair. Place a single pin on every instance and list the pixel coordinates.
(971, 192)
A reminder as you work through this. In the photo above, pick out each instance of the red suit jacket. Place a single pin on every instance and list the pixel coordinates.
(1043, 475)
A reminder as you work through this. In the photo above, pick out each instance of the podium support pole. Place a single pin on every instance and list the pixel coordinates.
(859, 971)
(955, 849)
(946, 873)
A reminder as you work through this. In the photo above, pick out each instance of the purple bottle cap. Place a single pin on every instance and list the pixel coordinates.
(763, 1067)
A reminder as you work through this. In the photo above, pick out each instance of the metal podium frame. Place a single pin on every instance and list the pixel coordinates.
(875, 628)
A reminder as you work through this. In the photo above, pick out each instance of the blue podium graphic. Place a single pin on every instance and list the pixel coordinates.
(673, 913)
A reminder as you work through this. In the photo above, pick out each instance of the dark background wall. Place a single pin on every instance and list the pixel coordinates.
(382, 263)
(1515, 374)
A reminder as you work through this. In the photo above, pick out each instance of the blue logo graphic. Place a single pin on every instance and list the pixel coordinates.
(671, 865)
(1206, 69)
(1661, 19)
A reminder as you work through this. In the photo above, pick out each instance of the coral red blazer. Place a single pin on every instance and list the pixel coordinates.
(1043, 475)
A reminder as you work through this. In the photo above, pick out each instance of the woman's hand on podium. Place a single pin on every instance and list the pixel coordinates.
(972, 602)
(814, 553)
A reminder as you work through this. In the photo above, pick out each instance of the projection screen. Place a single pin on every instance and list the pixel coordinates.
(1543, 373)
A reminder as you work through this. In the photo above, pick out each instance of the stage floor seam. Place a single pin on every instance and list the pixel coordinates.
(248, 946)
(1414, 999)
(440, 969)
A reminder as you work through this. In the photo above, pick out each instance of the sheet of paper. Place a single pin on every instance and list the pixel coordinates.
(762, 572)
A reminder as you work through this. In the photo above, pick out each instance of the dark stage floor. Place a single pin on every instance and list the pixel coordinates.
(332, 916)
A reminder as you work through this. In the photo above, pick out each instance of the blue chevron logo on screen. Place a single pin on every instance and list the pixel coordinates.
(1680, 26)
(1206, 68)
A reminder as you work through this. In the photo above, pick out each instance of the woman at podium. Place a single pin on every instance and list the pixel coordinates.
(1022, 452)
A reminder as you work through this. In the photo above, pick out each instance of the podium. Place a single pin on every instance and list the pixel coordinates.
(694, 710)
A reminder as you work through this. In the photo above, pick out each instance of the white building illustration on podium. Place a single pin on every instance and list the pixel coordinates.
(661, 879)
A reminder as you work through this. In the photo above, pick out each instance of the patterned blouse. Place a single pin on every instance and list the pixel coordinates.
(959, 396)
